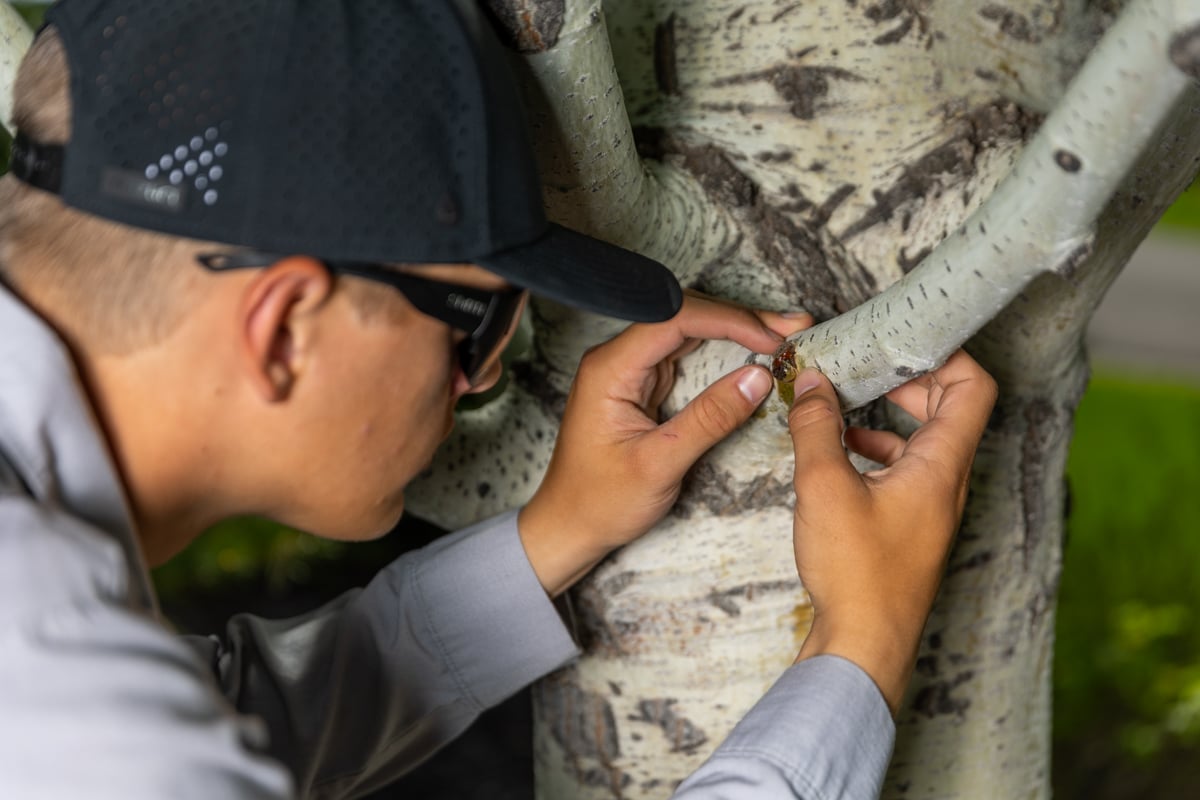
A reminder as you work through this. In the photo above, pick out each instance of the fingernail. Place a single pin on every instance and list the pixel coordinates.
(806, 381)
(755, 384)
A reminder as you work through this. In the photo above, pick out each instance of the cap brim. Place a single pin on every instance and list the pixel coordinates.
(591, 275)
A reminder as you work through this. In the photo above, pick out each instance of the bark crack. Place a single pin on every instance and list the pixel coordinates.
(952, 163)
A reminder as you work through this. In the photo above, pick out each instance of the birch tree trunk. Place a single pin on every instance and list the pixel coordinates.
(813, 154)
(835, 155)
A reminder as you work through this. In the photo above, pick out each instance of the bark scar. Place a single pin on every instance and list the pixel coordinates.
(1185, 52)
(529, 26)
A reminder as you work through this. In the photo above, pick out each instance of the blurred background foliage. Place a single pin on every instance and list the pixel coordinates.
(1127, 656)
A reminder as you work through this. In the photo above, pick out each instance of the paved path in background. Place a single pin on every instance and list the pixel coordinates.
(1149, 322)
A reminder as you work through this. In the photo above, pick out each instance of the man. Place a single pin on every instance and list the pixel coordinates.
(254, 254)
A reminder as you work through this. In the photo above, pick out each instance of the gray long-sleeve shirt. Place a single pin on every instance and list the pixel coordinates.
(99, 699)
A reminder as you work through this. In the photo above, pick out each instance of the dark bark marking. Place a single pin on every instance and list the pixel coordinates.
(1011, 24)
(927, 666)
(907, 372)
(1067, 161)
(793, 250)
(528, 26)
(910, 12)
(1185, 52)
(953, 161)
(724, 599)
(1075, 259)
(826, 209)
(796, 252)
(532, 377)
(974, 562)
(736, 14)
(725, 604)
(802, 87)
(716, 490)
(665, 72)
(483, 489)
(1039, 421)
(682, 733)
(986, 74)
(882, 12)
(618, 583)
(936, 698)
(584, 724)
(719, 177)
(895, 34)
(612, 778)
(785, 11)
(778, 156)
(908, 263)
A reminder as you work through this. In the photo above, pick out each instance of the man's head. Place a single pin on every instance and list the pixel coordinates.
(352, 140)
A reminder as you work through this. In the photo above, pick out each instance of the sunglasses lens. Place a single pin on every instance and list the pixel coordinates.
(478, 353)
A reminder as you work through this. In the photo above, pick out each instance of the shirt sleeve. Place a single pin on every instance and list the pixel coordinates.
(823, 731)
(364, 689)
(97, 699)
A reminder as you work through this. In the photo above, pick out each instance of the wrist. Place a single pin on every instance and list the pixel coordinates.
(559, 550)
(886, 653)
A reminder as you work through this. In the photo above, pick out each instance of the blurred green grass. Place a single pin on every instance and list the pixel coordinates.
(1127, 657)
(1184, 213)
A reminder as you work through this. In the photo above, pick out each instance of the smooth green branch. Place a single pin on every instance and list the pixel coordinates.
(1039, 220)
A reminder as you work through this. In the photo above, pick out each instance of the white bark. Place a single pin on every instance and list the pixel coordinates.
(897, 145)
(1041, 219)
(821, 174)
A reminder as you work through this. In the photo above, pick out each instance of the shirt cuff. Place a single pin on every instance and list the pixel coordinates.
(494, 625)
(824, 725)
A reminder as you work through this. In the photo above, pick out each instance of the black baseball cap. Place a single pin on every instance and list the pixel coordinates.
(386, 131)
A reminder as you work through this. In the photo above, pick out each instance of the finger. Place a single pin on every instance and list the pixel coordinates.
(913, 397)
(711, 416)
(643, 345)
(883, 447)
(815, 422)
(965, 395)
(787, 324)
(687, 348)
(920, 396)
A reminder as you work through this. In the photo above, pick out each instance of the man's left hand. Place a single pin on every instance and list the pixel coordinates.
(616, 470)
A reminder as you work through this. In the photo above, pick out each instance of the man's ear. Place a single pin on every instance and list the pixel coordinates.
(276, 317)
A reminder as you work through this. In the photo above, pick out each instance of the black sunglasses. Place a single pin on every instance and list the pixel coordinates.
(488, 318)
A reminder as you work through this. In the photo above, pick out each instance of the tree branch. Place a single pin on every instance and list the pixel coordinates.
(1041, 219)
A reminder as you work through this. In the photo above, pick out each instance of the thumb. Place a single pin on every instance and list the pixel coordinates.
(715, 413)
(815, 422)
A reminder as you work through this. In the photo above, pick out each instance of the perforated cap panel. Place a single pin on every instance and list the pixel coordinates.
(374, 130)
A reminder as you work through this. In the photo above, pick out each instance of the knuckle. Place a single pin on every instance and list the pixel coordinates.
(811, 411)
(991, 388)
(714, 417)
(592, 354)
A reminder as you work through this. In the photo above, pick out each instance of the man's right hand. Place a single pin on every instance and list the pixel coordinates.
(871, 548)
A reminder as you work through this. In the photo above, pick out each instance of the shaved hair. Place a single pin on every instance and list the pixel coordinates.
(116, 287)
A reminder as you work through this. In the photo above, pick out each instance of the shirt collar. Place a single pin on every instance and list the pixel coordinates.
(50, 437)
